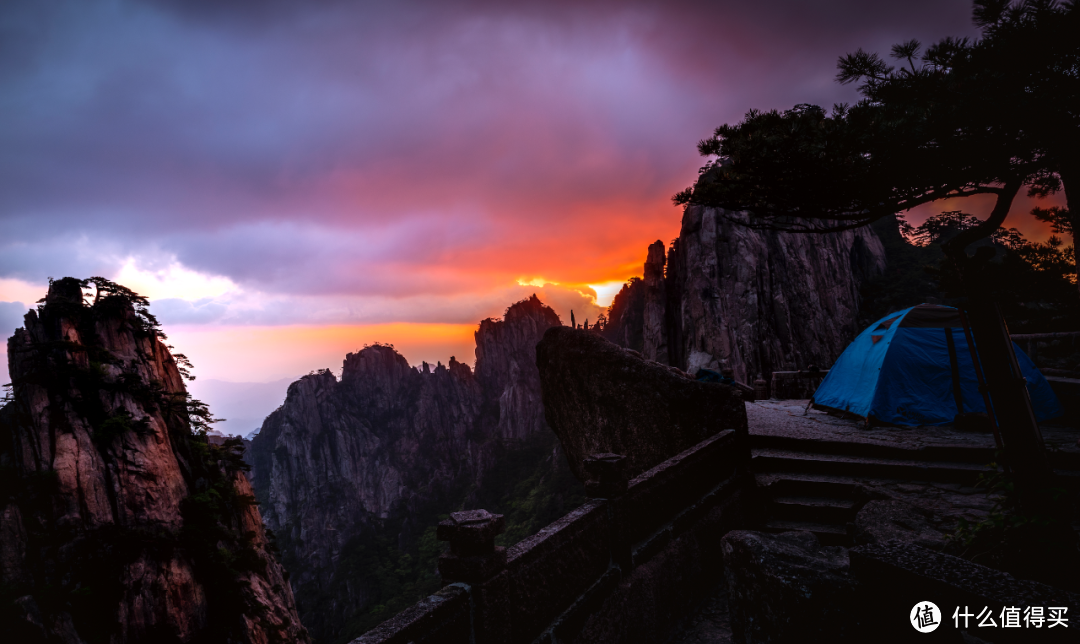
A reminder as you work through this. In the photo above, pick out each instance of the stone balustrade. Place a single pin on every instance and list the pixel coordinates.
(795, 385)
(624, 566)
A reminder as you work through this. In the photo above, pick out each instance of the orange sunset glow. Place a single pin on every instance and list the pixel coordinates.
(260, 354)
(305, 182)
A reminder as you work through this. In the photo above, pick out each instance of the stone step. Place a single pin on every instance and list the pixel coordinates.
(1070, 479)
(1061, 460)
(789, 461)
(976, 454)
(816, 509)
(829, 534)
(798, 484)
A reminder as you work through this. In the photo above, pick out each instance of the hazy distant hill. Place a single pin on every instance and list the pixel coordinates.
(243, 405)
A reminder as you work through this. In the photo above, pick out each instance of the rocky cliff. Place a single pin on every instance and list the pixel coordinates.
(654, 315)
(118, 523)
(601, 398)
(353, 473)
(749, 300)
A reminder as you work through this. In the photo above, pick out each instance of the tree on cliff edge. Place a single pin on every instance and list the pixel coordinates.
(994, 116)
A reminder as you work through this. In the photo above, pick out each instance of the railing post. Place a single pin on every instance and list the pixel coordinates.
(607, 475)
(608, 480)
(761, 388)
(474, 559)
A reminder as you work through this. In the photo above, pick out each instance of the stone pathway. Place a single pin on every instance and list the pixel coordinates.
(711, 624)
(786, 418)
(948, 502)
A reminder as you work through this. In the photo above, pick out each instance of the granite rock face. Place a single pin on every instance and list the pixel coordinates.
(753, 301)
(506, 368)
(787, 588)
(339, 457)
(340, 453)
(117, 523)
(654, 339)
(600, 397)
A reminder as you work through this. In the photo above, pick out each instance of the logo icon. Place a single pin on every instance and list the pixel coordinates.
(925, 617)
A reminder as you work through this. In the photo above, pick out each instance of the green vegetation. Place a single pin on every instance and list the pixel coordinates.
(1037, 543)
(59, 363)
(962, 117)
(531, 485)
(118, 424)
(396, 562)
(212, 535)
(1034, 283)
(107, 299)
(910, 275)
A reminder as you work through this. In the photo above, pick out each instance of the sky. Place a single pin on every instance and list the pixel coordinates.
(288, 181)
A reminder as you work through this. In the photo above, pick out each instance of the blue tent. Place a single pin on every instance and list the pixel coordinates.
(913, 367)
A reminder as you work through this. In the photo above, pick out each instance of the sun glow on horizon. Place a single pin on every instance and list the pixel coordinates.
(538, 282)
(265, 354)
(606, 291)
(602, 293)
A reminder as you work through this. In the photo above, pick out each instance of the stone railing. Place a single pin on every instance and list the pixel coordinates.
(1066, 384)
(796, 385)
(1030, 342)
(895, 577)
(625, 566)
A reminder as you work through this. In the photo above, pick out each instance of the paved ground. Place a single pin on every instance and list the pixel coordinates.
(791, 418)
(710, 624)
(948, 502)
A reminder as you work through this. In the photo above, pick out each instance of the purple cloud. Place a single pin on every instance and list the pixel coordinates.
(341, 148)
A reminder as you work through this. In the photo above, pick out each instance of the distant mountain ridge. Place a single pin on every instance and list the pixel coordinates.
(352, 471)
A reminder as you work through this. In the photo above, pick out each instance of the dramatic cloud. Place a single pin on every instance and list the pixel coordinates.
(258, 309)
(345, 147)
(333, 163)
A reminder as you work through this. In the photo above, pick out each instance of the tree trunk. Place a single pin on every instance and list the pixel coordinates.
(1070, 180)
(1025, 452)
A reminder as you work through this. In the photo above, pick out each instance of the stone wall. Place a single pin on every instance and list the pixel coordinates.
(895, 576)
(614, 570)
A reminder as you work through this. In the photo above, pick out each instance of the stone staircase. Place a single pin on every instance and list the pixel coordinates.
(819, 485)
